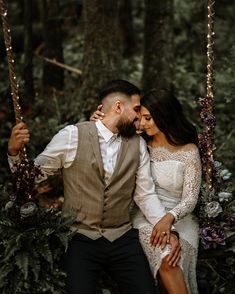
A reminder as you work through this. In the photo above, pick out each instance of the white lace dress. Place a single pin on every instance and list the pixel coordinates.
(177, 177)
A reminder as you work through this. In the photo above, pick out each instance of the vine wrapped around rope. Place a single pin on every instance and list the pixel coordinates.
(207, 103)
(12, 76)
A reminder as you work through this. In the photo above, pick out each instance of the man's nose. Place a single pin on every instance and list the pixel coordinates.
(138, 116)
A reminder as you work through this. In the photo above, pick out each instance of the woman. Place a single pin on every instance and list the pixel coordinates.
(176, 171)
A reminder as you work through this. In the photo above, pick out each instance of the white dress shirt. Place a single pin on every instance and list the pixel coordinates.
(62, 149)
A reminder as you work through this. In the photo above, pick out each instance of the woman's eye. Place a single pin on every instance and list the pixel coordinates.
(148, 118)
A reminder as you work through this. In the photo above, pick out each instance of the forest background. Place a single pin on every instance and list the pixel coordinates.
(65, 50)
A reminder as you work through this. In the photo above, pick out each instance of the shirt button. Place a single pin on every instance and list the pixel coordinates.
(102, 230)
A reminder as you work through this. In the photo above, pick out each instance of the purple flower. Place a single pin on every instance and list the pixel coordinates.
(230, 223)
(212, 236)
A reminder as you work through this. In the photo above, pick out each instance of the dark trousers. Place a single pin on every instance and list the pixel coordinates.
(123, 259)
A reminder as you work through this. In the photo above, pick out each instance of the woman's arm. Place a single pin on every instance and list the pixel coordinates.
(191, 186)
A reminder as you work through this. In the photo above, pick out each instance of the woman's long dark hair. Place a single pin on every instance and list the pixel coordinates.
(168, 115)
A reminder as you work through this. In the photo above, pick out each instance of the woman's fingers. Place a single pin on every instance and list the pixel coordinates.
(98, 114)
(160, 238)
(154, 237)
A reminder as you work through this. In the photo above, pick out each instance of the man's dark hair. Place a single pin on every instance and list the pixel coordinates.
(120, 86)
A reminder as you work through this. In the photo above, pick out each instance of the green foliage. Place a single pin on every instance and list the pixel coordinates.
(31, 252)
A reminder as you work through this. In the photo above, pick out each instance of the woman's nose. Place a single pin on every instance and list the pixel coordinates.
(142, 123)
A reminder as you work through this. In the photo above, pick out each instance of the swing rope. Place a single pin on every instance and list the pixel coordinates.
(206, 138)
(210, 125)
(11, 68)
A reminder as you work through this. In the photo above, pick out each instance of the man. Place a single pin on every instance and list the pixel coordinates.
(104, 166)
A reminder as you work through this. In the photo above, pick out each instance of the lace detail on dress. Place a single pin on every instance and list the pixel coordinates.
(155, 256)
(191, 176)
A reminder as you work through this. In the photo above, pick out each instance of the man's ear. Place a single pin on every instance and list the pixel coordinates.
(118, 106)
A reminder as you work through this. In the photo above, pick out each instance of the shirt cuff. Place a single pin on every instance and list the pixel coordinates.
(14, 157)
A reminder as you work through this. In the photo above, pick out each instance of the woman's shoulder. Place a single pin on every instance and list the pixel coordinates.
(191, 152)
(189, 147)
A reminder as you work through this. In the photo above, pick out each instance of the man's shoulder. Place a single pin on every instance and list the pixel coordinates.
(85, 124)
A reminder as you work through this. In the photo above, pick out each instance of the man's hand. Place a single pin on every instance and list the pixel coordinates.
(19, 137)
(174, 255)
(98, 114)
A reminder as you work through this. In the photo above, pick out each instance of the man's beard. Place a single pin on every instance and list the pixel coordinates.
(127, 129)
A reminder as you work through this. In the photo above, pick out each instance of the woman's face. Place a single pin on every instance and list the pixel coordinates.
(147, 123)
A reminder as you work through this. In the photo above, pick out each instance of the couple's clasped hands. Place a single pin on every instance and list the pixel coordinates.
(163, 235)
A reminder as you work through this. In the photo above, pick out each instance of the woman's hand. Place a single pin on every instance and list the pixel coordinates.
(161, 231)
(98, 114)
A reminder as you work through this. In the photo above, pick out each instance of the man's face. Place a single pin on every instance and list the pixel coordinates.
(130, 117)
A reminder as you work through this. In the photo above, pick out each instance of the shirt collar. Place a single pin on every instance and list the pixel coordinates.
(105, 132)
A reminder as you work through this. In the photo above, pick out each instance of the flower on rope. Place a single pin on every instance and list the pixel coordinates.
(22, 198)
(230, 223)
(206, 113)
(216, 209)
(225, 174)
(24, 176)
(224, 196)
(212, 236)
(208, 118)
(28, 209)
(213, 209)
(217, 164)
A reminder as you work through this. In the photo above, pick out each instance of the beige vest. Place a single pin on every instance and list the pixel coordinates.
(100, 209)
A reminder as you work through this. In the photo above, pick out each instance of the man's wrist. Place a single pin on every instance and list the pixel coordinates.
(12, 152)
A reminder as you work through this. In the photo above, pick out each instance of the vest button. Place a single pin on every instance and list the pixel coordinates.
(102, 230)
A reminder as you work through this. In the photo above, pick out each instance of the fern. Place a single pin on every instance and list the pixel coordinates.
(30, 255)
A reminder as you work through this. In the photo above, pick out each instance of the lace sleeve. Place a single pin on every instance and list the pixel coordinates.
(191, 186)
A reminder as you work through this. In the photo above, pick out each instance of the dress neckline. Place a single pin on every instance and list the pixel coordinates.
(162, 148)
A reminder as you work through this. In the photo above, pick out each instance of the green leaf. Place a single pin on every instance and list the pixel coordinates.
(11, 249)
(22, 261)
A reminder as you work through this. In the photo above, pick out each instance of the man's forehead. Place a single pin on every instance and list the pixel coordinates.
(135, 99)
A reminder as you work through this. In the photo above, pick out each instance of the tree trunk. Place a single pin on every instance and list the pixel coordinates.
(101, 60)
(53, 77)
(28, 53)
(158, 44)
(126, 27)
